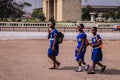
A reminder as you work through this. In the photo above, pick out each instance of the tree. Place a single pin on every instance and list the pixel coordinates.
(112, 14)
(117, 13)
(22, 5)
(86, 12)
(9, 8)
(38, 13)
(106, 15)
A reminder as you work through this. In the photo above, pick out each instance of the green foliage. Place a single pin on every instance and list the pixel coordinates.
(117, 14)
(4, 19)
(38, 13)
(10, 9)
(112, 14)
(86, 13)
(18, 19)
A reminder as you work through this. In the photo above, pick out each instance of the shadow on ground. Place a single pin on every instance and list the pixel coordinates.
(68, 68)
(98, 71)
(110, 72)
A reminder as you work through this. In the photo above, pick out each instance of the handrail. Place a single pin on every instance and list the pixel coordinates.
(58, 25)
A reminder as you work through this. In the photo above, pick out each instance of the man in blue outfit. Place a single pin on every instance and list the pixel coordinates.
(81, 48)
(54, 46)
(97, 52)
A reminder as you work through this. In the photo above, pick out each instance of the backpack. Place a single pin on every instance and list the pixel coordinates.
(101, 45)
(60, 37)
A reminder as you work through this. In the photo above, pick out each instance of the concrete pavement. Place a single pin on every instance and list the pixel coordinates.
(43, 35)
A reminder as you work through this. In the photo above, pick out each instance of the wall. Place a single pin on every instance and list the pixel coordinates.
(71, 10)
(59, 10)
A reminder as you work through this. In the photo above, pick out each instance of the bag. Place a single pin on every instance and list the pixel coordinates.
(60, 37)
(101, 45)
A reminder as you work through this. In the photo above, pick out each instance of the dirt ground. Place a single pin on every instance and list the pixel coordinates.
(27, 60)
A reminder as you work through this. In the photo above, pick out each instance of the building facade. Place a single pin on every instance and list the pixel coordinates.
(62, 10)
(102, 8)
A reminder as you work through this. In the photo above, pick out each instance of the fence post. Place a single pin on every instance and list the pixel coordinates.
(13, 29)
(76, 29)
(100, 30)
(88, 29)
(38, 29)
(64, 29)
(112, 29)
(26, 29)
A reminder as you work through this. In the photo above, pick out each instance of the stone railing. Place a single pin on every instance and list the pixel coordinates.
(46, 24)
(64, 26)
(23, 24)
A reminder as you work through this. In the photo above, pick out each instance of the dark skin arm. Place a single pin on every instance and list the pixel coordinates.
(53, 47)
(98, 43)
(48, 33)
(79, 50)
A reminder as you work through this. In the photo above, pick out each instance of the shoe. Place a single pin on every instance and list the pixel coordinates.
(86, 67)
(79, 70)
(91, 72)
(103, 69)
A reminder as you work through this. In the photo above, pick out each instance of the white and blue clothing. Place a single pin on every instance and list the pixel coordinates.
(79, 43)
(97, 52)
(53, 33)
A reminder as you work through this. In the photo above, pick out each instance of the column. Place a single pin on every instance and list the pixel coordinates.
(47, 9)
(55, 9)
(92, 16)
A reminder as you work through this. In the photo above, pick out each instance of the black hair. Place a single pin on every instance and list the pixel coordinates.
(53, 22)
(95, 28)
(81, 25)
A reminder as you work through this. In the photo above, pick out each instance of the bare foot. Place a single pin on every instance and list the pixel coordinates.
(58, 65)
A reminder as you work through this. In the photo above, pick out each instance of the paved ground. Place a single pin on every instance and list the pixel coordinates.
(27, 60)
(43, 35)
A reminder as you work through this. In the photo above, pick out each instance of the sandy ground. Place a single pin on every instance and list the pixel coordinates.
(27, 60)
